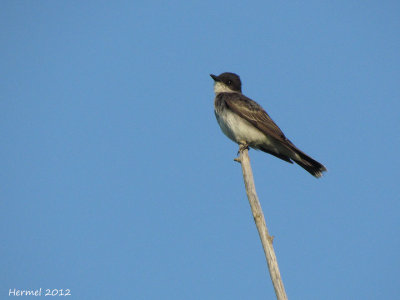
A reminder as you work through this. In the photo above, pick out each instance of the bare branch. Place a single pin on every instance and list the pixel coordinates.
(259, 219)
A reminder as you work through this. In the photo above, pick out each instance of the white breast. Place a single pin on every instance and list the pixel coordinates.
(239, 130)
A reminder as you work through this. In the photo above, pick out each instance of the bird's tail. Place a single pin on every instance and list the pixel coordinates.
(307, 163)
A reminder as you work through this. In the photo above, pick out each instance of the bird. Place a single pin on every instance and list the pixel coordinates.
(246, 123)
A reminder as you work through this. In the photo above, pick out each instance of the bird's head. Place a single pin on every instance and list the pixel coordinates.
(227, 83)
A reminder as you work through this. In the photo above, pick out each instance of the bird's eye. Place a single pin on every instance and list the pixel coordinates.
(229, 82)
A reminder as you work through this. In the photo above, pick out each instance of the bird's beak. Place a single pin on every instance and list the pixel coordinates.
(214, 77)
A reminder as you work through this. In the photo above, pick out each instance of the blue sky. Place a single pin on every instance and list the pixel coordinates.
(117, 183)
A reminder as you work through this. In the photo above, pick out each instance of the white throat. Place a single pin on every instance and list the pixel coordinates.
(220, 87)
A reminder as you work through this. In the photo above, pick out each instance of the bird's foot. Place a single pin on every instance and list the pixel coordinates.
(243, 146)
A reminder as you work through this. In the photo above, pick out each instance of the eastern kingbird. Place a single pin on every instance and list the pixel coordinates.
(245, 122)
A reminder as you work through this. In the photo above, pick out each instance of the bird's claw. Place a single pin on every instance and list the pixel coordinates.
(242, 147)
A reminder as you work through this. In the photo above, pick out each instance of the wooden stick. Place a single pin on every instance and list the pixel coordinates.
(259, 219)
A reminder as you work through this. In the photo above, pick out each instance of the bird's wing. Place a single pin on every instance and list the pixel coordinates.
(254, 114)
